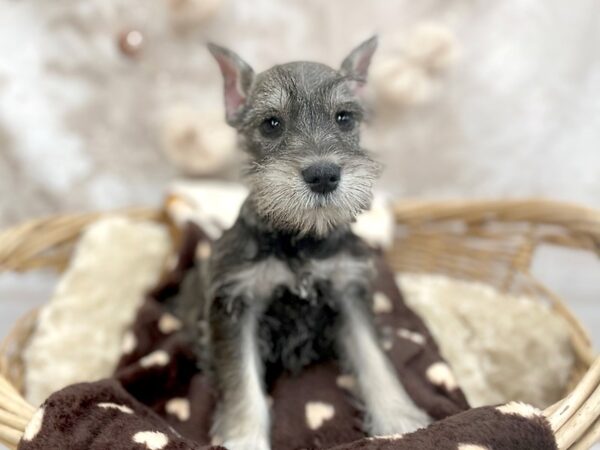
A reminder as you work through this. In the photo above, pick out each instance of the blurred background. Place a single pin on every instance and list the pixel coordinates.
(485, 99)
(104, 102)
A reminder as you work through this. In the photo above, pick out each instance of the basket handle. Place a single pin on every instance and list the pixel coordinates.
(24, 248)
(578, 219)
(15, 414)
(576, 419)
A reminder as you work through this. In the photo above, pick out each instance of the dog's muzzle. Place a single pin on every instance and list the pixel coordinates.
(323, 177)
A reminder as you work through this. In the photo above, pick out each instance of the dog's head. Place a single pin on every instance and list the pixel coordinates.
(300, 123)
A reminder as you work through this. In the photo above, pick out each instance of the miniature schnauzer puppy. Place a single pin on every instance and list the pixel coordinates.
(290, 284)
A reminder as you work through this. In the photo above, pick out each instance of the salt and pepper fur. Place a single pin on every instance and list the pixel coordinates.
(290, 284)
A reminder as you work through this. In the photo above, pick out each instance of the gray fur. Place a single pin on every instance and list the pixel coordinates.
(291, 257)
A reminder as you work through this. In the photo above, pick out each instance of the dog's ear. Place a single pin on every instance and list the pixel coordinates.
(356, 64)
(237, 80)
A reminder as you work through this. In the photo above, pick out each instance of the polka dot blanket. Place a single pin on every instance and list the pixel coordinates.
(159, 399)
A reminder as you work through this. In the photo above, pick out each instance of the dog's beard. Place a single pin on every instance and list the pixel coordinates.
(283, 199)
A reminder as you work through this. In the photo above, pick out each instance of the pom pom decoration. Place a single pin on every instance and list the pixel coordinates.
(198, 143)
(408, 73)
(397, 81)
(432, 46)
(192, 12)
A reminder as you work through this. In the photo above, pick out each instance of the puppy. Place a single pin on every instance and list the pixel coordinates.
(289, 284)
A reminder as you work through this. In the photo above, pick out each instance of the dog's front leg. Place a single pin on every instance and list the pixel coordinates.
(389, 409)
(242, 416)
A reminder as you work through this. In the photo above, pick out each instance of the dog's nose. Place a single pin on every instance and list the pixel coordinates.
(322, 177)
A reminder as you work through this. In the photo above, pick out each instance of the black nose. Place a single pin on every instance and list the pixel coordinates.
(322, 177)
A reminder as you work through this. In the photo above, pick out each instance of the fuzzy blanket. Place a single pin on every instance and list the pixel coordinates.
(158, 398)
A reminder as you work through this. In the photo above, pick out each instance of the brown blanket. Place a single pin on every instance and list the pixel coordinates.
(159, 399)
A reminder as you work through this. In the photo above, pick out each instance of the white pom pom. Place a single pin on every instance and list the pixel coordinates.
(193, 12)
(398, 82)
(197, 143)
(432, 46)
(409, 73)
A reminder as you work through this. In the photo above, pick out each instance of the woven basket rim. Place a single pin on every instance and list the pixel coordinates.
(47, 242)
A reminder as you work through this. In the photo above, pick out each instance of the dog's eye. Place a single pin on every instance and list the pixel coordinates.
(345, 120)
(271, 127)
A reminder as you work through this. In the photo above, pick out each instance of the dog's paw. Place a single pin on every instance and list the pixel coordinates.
(400, 422)
(247, 443)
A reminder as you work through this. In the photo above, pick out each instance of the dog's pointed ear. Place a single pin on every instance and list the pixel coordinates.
(237, 80)
(356, 64)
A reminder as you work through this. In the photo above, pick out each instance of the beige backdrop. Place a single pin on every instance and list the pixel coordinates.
(515, 114)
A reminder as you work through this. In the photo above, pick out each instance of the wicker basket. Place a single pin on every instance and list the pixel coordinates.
(488, 241)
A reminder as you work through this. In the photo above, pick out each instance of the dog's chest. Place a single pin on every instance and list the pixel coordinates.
(295, 287)
(309, 279)
(298, 322)
(294, 332)
(299, 318)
